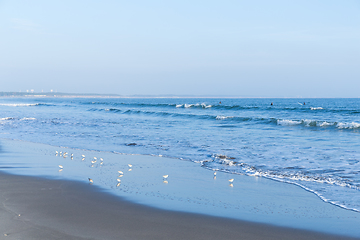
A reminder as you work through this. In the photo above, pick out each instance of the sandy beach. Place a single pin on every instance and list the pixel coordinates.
(35, 208)
(39, 201)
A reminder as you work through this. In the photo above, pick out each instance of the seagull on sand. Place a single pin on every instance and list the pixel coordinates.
(119, 180)
(91, 181)
(214, 174)
(130, 166)
(231, 180)
(83, 156)
(61, 166)
(165, 176)
(120, 172)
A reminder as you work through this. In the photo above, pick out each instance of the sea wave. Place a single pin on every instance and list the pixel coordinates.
(224, 107)
(316, 123)
(223, 117)
(352, 125)
(244, 168)
(299, 176)
(236, 119)
(196, 105)
(6, 118)
(18, 104)
(27, 119)
(25, 104)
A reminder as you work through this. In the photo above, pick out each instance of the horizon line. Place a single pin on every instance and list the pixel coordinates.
(112, 95)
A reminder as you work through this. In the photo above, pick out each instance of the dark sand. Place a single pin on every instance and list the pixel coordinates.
(36, 208)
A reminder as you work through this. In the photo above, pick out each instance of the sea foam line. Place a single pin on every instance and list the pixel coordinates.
(280, 122)
(315, 123)
(252, 172)
(18, 104)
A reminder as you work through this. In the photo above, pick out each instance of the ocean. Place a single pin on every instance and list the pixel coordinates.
(311, 143)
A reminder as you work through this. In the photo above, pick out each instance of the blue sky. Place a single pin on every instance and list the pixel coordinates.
(240, 48)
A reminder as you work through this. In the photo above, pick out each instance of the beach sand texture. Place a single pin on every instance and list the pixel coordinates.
(53, 204)
(34, 208)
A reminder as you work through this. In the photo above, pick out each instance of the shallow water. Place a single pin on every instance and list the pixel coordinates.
(188, 188)
(315, 146)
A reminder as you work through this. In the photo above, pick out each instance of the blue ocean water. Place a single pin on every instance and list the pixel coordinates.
(315, 146)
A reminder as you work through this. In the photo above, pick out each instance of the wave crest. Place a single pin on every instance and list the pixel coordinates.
(315, 123)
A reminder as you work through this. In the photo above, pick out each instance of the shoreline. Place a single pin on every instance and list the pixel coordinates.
(36, 208)
(251, 202)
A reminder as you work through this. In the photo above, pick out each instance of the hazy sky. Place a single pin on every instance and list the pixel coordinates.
(260, 48)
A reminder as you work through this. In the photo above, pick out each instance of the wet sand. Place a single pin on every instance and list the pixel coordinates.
(38, 208)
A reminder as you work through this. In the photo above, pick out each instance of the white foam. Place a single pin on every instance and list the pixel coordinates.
(314, 123)
(6, 118)
(308, 123)
(324, 124)
(316, 108)
(203, 105)
(288, 122)
(220, 117)
(206, 106)
(348, 125)
(25, 118)
(18, 104)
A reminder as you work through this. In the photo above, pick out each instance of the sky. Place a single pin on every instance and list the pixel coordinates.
(260, 48)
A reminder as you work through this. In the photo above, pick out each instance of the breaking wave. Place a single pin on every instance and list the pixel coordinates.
(237, 119)
(25, 104)
(314, 123)
(298, 176)
(218, 106)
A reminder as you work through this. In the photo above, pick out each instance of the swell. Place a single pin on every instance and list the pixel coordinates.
(236, 107)
(307, 123)
(170, 114)
(25, 104)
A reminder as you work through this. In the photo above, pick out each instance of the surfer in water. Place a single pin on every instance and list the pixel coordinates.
(304, 103)
(271, 104)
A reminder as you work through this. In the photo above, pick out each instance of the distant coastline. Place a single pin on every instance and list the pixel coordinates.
(57, 94)
(97, 95)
